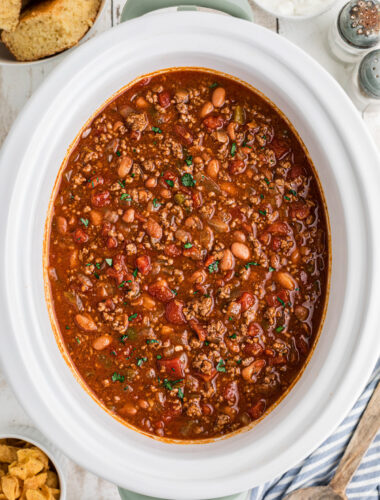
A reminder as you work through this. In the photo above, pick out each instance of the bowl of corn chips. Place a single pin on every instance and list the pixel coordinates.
(28, 470)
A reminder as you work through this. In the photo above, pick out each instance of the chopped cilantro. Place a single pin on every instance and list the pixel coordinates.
(233, 336)
(271, 269)
(188, 180)
(294, 193)
(123, 338)
(233, 149)
(207, 342)
(281, 301)
(140, 361)
(117, 377)
(113, 353)
(188, 245)
(189, 160)
(287, 198)
(279, 329)
(78, 341)
(118, 153)
(266, 181)
(250, 264)
(98, 265)
(169, 384)
(180, 393)
(133, 316)
(158, 356)
(213, 268)
(169, 182)
(122, 284)
(67, 327)
(85, 222)
(231, 319)
(109, 262)
(157, 130)
(156, 203)
(238, 361)
(122, 184)
(261, 196)
(152, 341)
(213, 85)
(135, 271)
(97, 276)
(126, 196)
(221, 367)
(263, 212)
(175, 292)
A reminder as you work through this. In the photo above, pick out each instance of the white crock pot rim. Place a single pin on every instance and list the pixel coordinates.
(228, 485)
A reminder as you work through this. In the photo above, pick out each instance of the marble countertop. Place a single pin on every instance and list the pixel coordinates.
(17, 85)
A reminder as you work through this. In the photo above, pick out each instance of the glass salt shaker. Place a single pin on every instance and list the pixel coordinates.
(364, 85)
(356, 31)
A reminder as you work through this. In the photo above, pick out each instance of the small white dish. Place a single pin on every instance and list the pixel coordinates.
(274, 12)
(7, 59)
(33, 436)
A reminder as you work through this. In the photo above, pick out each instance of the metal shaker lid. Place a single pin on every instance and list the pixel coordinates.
(359, 23)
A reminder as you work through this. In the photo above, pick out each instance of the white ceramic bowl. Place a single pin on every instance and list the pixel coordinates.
(263, 4)
(348, 166)
(7, 59)
(34, 437)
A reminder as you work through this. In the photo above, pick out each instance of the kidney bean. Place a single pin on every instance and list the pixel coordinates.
(240, 250)
(111, 242)
(218, 97)
(85, 322)
(295, 172)
(280, 148)
(164, 99)
(227, 262)
(258, 409)
(214, 122)
(174, 368)
(80, 236)
(247, 300)
(279, 227)
(255, 330)
(100, 199)
(183, 134)
(160, 291)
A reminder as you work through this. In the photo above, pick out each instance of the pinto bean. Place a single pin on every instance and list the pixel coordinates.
(207, 108)
(141, 103)
(301, 313)
(125, 166)
(151, 182)
(231, 131)
(101, 342)
(128, 410)
(219, 97)
(85, 322)
(239, 236)
(212, 168)
(61, 224)
(285, 279)
(240, 250)
(129, 215)
(154, 229)
(227, 262)
(96, 217)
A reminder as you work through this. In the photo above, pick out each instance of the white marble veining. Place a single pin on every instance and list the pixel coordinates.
(17, 85)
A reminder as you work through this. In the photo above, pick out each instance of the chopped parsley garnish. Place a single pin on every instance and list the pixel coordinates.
(118, 153)
(175, 292)
(152, 341)
(109, 262)
(188, 180)
(271, 269)
(294, 193)
(122, 284)
(233, 149)
(281, 301)
(158, 356)
(78, 341)
(85, 222)
(116, 377)
(157, 130)
(188, 245)
(67, 327)
(156, 203)
(263, 212)
(189, 160)
(113, 353)
(123, 338)
(213, 85)
(213, 268)
(133, 316)
(238, 361)
(207, 342)
(169, 182)
(126, 196)
(122, 185)
(135, 271)
(221, 367)
(287, 198)
(233, 336)
(98, 265)
(140, 361)
(250, 264)
(97, 276)
(261, 196)
(231, 319)
(180, 393)
(280, 328)
(266, 181)
(169, 384)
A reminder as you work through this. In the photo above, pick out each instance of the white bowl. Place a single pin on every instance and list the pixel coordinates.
(34, 437)
(324, 8)
(348, 167)
(7, 59)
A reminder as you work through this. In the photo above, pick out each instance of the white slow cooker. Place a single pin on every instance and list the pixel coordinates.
(348, 167)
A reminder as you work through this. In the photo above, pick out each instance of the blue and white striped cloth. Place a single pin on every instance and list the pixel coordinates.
(320, 466)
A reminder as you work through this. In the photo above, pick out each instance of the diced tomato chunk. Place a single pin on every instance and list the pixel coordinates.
(247, 300)
(214, 122)
(295, 172)
(173, 312)
(255, 330)
(198, 329)
(80, 236)
(299, 211)
(280, 148)
(237, 167)
(279, 227)
(183, 134)
(143, 264)
(100, 199)
(174, 368)
(160, 291)
(258, 409)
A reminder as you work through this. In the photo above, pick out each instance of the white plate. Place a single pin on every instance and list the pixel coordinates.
(347, 164)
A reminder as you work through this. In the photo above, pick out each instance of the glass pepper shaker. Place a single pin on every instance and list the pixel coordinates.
(364, 85)
(356, 31)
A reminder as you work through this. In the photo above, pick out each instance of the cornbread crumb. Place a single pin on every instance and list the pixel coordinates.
(50, 27)
(9, 14)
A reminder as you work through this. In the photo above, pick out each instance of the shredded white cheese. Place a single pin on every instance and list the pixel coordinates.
(295, 7)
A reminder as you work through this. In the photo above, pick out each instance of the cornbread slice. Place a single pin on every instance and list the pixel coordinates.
(50, 27)
(9, 14)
